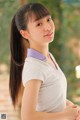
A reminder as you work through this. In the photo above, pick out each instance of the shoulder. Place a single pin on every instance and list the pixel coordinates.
(33, 69)
(32, 63)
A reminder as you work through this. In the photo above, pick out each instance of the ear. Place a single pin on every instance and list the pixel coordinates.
(25, 34)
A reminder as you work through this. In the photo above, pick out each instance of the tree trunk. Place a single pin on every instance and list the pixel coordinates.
(22, 2)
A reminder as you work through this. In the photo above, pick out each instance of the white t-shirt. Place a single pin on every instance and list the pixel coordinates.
(52, 93)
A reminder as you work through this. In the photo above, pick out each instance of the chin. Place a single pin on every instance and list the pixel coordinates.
(50, 40)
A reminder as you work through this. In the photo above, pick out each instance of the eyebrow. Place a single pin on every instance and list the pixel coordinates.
(41, 18)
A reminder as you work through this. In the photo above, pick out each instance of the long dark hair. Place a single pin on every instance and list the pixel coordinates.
(17, 44)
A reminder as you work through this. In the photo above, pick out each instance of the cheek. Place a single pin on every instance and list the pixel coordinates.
(32, 33)
(53, 26)
(35, 35)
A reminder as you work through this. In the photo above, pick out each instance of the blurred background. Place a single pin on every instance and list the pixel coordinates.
(65, 47)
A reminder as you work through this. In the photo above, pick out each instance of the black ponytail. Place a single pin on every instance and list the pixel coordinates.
(17, 59)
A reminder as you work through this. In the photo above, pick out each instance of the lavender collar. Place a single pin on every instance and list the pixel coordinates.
(35, 54)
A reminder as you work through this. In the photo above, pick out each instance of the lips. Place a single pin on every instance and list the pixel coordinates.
(49, 34)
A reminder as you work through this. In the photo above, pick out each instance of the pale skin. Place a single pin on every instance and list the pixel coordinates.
(40, 33)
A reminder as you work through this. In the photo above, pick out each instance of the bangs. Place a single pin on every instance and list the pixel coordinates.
(38, 10)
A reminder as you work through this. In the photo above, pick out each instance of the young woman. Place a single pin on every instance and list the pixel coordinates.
(45, 87)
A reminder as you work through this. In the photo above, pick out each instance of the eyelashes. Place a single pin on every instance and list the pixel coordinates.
(49, 19)
(41, 23)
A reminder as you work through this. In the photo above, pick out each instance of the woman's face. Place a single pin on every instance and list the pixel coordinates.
(41, 31)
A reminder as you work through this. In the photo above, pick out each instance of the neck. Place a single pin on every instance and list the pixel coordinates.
(42, 49)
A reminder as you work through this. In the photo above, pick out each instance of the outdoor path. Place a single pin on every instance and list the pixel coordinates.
(5, 100)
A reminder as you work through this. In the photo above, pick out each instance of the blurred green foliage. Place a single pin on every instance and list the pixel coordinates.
(70, 30)
(67, 21)
(7, 9)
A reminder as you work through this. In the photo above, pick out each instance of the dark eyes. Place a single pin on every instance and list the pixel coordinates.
(48, 20)
(39, 24)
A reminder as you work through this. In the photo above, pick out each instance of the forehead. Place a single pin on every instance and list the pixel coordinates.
(33, 17)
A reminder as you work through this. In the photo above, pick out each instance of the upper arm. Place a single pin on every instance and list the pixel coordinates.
(30, 97)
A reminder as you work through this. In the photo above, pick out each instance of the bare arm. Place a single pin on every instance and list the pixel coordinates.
(29, 101)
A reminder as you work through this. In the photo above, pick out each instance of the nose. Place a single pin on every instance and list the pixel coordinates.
(47, 26)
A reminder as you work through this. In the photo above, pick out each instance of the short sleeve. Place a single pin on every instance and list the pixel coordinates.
(30, 73)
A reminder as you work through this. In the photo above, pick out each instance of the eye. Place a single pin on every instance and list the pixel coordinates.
(39, 24)
(49, 19)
